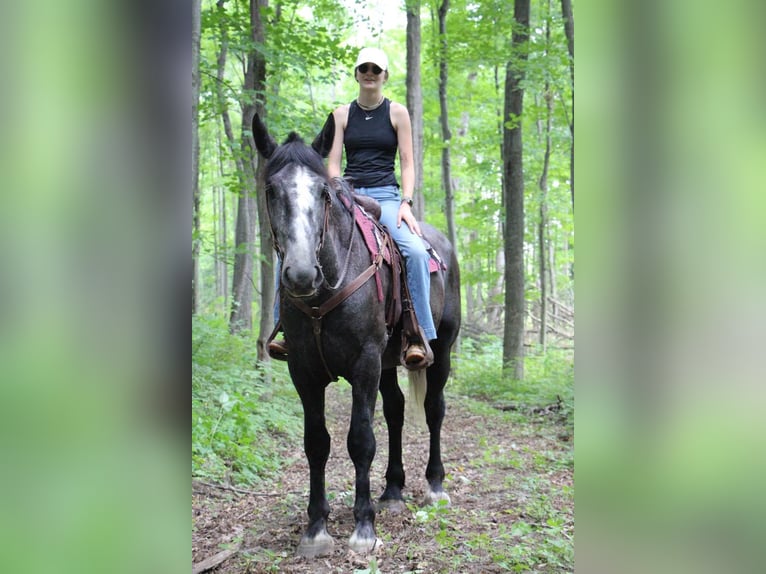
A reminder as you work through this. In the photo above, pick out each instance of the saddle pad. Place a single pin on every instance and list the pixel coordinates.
(372, 239)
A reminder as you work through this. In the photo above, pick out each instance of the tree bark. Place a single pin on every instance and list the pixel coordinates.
(196, 23)
(267, 288)
(543, 224)
(449, 194)
(240, 319)
(513, 173)
(543, 183)
(222, 261)
(495, 292)
(566, 12)
(415, 100)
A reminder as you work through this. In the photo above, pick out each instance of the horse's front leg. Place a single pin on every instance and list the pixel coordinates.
(316, 441)
(393, 410)
(361, 448)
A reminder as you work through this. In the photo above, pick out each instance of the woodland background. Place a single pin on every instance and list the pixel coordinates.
(489, 86)
(94, 291)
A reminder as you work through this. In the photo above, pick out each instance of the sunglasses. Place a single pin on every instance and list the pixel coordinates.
(375, 69)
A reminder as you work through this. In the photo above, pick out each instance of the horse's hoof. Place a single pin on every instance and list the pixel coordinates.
(364, 545)
(392, 505)
(320, 545)
(433, 497)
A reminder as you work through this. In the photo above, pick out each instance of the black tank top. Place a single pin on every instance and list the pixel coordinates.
(371, 145)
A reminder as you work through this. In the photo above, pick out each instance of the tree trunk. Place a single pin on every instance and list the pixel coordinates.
(222, 262)
(470, 299)
(542, 244)
(495, 292)
(542, 256)
(449, 198)
(240, 319)
(513, 336)
(266, 324)
(222, 237)
(415, 100)
(566, 12)
(196, 18)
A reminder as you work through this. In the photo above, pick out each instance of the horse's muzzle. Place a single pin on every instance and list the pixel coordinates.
(302, 281)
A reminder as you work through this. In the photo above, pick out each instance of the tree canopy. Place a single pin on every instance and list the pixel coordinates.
(309, 48)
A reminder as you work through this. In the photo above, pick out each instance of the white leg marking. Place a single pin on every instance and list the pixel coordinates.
(320, 545)
(364, 545)
(432, 497)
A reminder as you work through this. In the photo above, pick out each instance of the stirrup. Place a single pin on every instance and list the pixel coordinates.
(277, 349)
(417, 353)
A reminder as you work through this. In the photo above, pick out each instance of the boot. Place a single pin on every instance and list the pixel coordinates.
(278, 349)
(417, 354)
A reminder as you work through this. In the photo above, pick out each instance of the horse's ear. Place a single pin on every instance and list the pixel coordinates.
(323, 142)
(263, 141)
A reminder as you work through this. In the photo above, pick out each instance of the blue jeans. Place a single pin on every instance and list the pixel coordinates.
(413, 250)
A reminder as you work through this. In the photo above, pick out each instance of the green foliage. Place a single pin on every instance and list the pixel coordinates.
(241, 414)
(539, 539)
(309, 49)
(549, 377)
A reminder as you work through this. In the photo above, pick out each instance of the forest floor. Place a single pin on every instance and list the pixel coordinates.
(510, 476)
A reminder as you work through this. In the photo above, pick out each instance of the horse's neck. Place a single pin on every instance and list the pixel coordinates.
(334, 255)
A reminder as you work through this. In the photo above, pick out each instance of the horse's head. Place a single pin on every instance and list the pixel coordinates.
(297, 199)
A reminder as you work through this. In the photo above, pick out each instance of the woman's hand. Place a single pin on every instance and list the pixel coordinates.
(406, 215)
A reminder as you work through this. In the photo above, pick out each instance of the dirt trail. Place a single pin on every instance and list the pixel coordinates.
(498, 475)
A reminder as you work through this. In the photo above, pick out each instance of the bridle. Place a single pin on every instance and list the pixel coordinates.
(317, 313)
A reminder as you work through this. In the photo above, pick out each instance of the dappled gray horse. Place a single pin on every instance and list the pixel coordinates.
(335, 326)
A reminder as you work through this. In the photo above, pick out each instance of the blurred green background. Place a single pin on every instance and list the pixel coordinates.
(95, 223)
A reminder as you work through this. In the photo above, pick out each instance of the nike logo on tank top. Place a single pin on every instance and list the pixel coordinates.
(371, 145)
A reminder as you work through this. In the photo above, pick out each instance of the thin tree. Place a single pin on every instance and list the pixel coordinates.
(415, 99)
(449, 194)
(240, 318)
(222, 239)
(543, 184)
(513, 174)
(566, 12)
(267, 288)
(196, 21)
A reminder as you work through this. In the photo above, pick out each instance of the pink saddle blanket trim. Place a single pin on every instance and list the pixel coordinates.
(374, 242)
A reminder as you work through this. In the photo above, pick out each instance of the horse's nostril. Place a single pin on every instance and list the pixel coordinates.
(302, 281)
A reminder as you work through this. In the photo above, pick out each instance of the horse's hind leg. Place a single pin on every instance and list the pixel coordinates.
(437, 375)
(316, 441)
(361, 448)
(393, 410)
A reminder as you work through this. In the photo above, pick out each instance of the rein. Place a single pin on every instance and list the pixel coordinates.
(350, 244)
(316, 314)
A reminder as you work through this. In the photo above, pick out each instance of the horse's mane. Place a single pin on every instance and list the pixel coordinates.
(295, 150)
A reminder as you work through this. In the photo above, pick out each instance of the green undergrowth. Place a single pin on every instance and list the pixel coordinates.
(540, 538)
(548, 383)
(242, 413)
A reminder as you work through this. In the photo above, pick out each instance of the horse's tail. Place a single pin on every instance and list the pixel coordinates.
(416, 402)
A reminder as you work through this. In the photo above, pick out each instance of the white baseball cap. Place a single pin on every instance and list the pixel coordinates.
(373, 55)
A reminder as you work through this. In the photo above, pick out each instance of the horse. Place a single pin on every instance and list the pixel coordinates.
(332, 331)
